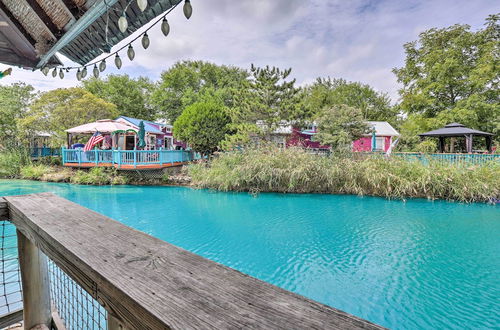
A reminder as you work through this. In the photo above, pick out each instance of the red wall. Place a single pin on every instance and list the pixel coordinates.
(365, 144)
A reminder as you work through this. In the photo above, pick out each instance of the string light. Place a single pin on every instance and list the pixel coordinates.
(122, 23)
(118, 61)
(165, 27)
(130, 52)
(102, 65)
(188, 10)
(142, 4)
(123, 26)
(145, 41)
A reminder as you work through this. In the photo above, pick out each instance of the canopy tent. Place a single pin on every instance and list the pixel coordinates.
(459, 130)
(104, 126)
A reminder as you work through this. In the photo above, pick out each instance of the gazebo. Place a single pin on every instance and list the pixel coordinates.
(459, 130)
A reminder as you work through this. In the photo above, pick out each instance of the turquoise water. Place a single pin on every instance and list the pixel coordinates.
(413, 265)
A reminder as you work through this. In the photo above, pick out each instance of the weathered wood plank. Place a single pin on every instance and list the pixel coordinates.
(4, 211)
(150, 284)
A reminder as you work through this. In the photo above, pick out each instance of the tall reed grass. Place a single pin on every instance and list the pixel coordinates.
(296, 171)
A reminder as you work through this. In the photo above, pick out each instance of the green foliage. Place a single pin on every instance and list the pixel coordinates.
(35, 171)
(268, 97)
(98, 176)
(131, 96)
(60, 109)
(15, 100)
(339, 125)
(189, 82)
(296, 171)
(203, 126)
(427, 146)
(11, 162)
(451, 75)
(327, 92)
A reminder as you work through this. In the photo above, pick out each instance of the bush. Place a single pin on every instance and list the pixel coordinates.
(11, 162)
(295, 170)
(35, 172)
(98, 176)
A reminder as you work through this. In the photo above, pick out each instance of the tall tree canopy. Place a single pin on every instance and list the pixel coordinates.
(131, 96)
(452, 75)
(188, 82)
(339, 125)
(60, 109)
(203, 125)
(327, 92)
(15, 100)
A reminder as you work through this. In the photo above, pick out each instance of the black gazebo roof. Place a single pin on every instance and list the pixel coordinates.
(454, 129)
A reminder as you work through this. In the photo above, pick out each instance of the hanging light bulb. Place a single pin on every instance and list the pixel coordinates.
(165, 27)
(118, 61)
(84, 72)
(54, 72)
(145, 41)
(188, 10)
(61, 73)
(102, 65)
(130, 52)
(142, 4)
(122, 23)
(96, 71)
(78, 75)
(45, 70)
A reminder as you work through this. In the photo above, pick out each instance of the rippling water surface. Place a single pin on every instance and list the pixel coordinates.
(412, 265)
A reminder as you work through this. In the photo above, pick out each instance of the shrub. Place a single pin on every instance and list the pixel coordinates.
(35, 172)
(98, 176)
(295, 170)
(11, 162)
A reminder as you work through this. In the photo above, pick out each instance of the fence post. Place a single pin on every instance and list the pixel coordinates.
(80, 157)
(63, 155)
(96, 157)
(135, 158)
(161, 157)
(35, 281)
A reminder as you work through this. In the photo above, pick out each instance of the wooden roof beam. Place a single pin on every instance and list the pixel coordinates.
(12, 21)
(93, 13)
(72, 8)
(46, 20)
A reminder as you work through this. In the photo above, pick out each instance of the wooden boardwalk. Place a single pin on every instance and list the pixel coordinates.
(146, 283)
(126, 166)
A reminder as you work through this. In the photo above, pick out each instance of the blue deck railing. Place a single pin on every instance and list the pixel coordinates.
(38, 152)
(127, 157)
(464, 159)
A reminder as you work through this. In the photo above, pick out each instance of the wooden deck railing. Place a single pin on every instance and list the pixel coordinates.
(127, 158)
(146, 283)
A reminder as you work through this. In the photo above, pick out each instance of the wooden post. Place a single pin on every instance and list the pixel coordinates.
(96, 157)
(35, 281)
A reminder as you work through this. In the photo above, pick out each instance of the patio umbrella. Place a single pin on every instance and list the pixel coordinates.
(374, 141)
(141, 134)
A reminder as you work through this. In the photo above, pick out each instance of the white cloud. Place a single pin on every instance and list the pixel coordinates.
(357, 40)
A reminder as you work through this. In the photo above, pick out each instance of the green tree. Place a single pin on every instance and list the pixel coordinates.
(187, 82)
(451, 75)
(268, 97)
(131, 96)
(327, 92)
(15, 100)
(60, 109)
(340, 125)
(203, 125)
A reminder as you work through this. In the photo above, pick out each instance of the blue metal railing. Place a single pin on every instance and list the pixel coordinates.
(127, 158)
(464, 159)
(37, 152)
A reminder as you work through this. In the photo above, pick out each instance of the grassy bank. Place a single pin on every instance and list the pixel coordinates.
(295, 171)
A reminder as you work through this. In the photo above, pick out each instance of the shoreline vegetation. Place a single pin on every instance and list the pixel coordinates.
(291, 170)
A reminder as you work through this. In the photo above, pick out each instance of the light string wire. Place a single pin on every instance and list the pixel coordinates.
(126, 45)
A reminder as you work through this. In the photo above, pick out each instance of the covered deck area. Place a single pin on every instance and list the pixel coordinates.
(456, 130)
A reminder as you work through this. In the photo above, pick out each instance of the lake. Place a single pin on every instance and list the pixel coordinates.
(404, 265)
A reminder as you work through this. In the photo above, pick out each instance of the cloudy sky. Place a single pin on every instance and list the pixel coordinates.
(359, 40)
